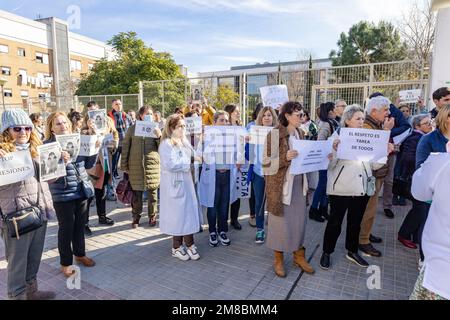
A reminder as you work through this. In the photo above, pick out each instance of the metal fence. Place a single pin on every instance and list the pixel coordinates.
(129, 101)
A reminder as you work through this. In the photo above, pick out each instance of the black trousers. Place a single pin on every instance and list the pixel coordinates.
(100, 199)
(234, 210)
(355, 208)
(252, 202)
(71, 220)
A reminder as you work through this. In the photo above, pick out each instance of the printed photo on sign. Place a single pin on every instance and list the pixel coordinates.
(193, 125)
(312, 156)
(99, 117)
(274, 96)
(410, 96)
(145, 129)
(51, 164)
(258, 134)
(363, 145)
(15, 167)
(70, 143)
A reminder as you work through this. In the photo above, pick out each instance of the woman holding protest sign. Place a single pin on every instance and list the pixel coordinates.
(24, 251)
(180, 214)
(234, 116)
(98, 171)
(327, 126)
(70, 198)
(287, 209)
(140, 159)
(267, 118)
(350, 183)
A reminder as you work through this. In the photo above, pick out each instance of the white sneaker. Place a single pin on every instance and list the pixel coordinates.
(192, 252)
(180, 253)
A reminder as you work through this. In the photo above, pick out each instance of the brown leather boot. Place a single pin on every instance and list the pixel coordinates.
(34, 294)
(278, 266)
(85, 261)
(301, 262)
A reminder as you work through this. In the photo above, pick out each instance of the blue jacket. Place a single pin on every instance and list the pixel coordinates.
(401, 123)
(68, 188)
(432, 142)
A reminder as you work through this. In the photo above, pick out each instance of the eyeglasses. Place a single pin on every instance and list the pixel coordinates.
(341, 106)
(425, 123)
(19, 129)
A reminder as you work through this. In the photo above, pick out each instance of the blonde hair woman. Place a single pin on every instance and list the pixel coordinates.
(70, 201)
(23, 253)
(179, 209)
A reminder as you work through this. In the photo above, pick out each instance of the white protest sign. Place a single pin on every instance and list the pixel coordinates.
(258, 134)
(410, 96)
(99, 118)
(401, 137)
(243, 187)
(15, 167)
(274, 96)
(312, 156)
(363, 145)
(193, 125)
(220, 142)
(51, 164)
(145, 129)
(70, 143)
(87, 145)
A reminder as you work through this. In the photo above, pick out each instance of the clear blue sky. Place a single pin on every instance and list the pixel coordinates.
(211, 35)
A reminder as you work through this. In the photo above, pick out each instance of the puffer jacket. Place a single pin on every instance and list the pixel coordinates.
(140, 158)
(68, 188)
(24, 194)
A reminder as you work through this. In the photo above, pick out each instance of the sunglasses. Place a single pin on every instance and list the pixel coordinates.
(19, 129)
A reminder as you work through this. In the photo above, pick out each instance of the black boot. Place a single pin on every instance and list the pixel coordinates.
(316, 215)
(103, 219)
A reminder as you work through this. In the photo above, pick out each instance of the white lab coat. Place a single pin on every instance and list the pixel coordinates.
(179, 209)
(432, 183)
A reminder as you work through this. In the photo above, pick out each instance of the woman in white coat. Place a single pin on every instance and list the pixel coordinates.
(179, 209)
(431, 184)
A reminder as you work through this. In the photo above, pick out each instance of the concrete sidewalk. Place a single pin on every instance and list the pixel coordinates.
(137, 264)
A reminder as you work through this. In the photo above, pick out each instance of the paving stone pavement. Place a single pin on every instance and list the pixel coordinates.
(137, 264)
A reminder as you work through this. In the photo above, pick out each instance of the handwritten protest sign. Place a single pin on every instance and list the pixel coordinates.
(15, 167)
(99, 117)
(220, 145)
(410, 96)
(51, 164)
(70, 143)
(363, 145)
(312, 156)
(241, 184)
(145, 129)
(193, 125)
(258, 134)
(274, 96)
(87, 145)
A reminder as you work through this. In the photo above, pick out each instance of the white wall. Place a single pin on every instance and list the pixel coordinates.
(87, 47)
(440, 72)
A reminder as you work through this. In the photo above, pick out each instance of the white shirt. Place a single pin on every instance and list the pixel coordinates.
(432, 183)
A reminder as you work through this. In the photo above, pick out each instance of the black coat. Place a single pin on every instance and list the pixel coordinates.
(408, 154)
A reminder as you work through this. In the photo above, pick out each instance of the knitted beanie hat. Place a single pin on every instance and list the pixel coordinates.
(15, 117)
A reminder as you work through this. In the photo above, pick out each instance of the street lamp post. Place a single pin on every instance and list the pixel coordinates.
(2, 83)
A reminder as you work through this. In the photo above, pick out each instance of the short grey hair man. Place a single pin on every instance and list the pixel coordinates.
(377, 103)
(349, 112)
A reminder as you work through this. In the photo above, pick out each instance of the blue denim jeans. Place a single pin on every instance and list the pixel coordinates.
(219, 213)
(320, 195)
(258, 187)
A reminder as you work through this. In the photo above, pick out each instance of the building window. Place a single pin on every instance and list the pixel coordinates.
(21, 52)
(41, 57)
(24, 93)
(75, 65)
(6, 71)
(90, 66)
(4, 48)
(7, 92)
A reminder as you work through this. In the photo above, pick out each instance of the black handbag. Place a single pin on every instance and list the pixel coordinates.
(402, 187)
(24, 221)
(86, 184)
